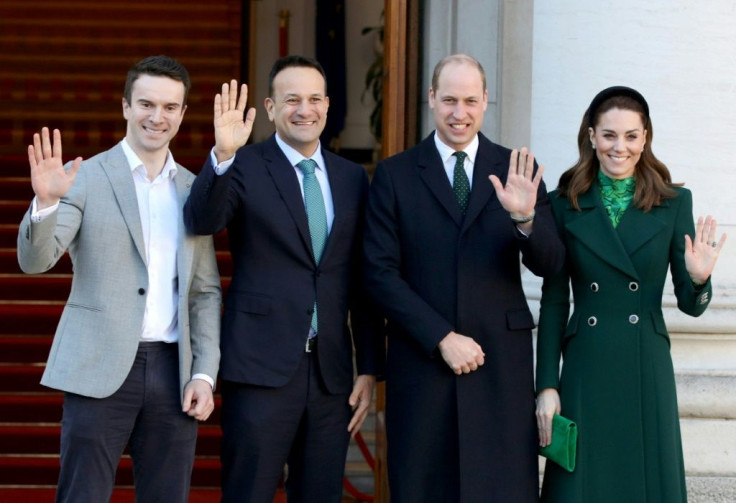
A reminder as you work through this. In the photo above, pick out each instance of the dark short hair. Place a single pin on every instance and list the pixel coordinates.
(292, 62)
(157, 66)
(457, 59)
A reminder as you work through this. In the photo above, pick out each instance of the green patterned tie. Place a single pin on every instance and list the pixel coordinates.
(460, 182)
(316, 216)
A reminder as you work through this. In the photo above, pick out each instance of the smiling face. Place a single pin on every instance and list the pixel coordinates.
(458, 104)
(298, 107)
(154, 114)
(619, 138)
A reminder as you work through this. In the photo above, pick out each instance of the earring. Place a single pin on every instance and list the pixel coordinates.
(592, 145)
(642, 150)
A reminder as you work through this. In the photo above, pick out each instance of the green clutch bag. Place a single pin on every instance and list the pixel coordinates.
(564, 443)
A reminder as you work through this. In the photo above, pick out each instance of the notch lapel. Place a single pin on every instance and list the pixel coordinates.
(432, 172)
(287, 184)
(339, 187)
(636, 228)
(185, 248)
(118, 172)
(487, 162)
(594, 230)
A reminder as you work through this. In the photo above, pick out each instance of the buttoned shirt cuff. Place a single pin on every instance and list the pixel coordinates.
(220, 169)
(38, 215)
(206, 378)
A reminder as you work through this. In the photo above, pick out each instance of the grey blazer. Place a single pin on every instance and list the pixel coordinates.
(97, 337)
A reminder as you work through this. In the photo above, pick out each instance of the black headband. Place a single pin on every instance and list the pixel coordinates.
(610, 93)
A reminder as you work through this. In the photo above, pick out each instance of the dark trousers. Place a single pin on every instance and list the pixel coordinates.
(299, 425)
(146, 413)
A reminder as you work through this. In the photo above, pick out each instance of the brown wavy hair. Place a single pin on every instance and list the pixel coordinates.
(653, 179)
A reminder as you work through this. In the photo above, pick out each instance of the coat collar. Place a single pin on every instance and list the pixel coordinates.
(594, 229)
(432, 172)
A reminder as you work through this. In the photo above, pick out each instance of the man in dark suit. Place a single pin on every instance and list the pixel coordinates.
(442, 249)
(294, 216)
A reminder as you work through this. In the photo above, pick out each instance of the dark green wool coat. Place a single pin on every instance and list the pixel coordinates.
(617, 381)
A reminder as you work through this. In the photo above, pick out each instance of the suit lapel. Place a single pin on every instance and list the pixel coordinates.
(287, 184)
(339, 189)
(184, 250)
(433, 174)
(118, 172)
(487, 162)
(594, 230)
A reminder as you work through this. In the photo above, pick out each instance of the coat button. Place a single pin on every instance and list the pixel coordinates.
(594, 287)
(141, 291)
(633, 319)
(592, 321)
(633, 286)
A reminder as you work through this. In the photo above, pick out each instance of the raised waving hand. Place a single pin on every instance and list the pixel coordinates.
(49, 179)
(702, 252)
(519, 195)
(232, 125)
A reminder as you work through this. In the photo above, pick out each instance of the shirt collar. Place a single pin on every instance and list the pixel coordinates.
(446, 151)
(134, 162)
(295, 157)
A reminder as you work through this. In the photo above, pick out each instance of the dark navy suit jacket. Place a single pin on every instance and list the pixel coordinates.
(275, 280)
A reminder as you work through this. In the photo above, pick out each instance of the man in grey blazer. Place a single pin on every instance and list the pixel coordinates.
(137, 347)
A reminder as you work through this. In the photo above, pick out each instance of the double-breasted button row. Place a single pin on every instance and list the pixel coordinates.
(633, 319)
(633, 286)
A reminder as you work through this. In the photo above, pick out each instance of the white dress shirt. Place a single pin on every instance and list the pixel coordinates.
(159, 210)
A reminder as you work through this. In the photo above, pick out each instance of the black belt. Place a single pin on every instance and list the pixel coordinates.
(153, 346)
(310, 345)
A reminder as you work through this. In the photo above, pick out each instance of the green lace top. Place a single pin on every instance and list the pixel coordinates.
(616, 195)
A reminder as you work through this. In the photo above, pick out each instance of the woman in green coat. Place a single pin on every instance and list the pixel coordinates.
(624, 223)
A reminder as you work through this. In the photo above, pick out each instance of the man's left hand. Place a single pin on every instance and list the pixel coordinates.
(198, 400)
(519, 196)
(360, 401)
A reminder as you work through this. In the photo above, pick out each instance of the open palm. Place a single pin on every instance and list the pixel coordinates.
(232, 125)
(49, 179)
(519, 195)
(702, 252)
